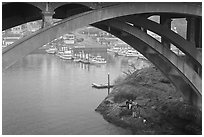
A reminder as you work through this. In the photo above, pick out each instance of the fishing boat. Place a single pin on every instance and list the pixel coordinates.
(51, 50)
(101, 85)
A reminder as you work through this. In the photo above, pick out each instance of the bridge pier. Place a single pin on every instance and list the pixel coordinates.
(47, 18)
(200, 33)
(190, 35)
(194, 31)
(166, 22)
(200, 43)
(194, 35)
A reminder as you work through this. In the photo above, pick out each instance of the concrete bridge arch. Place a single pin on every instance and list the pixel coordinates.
(19, 49)
(186, 46)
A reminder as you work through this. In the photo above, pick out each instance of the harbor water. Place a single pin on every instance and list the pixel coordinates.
(43, 94)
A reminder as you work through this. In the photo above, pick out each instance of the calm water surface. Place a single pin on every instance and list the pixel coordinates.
(43, 94)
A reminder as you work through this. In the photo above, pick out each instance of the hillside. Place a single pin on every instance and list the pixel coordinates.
(162, 111)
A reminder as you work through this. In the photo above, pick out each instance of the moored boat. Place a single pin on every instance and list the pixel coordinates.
(85, 61)
(98, 60)
(67, 55)
(77, 60)
(132, 53)
(51, 50)
(101, 85)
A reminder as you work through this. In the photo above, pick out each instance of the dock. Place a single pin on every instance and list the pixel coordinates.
(101, 85)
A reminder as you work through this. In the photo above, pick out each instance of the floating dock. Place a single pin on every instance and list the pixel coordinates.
(101, 85)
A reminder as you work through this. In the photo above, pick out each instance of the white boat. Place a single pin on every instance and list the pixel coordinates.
(110, 50)
(77, 60)
(85, 61)
(67, 54)
(98, 60)
(84, 58)
(51, 50)
(132, 53)
(122, 52)
(114, 49)
(101, 85)
(59, 53)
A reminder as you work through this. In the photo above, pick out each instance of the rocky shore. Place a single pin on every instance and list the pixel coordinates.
(163, 110)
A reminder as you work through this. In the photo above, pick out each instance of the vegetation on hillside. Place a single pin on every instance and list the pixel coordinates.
(162, 107)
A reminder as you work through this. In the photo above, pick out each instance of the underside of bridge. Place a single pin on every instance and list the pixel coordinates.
(68, 10)
(17, 13)
(129, 22)
(14, 14)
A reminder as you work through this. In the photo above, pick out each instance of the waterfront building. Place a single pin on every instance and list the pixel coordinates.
(69, 38)
(33, 26)
(9, 38)
(17, 29)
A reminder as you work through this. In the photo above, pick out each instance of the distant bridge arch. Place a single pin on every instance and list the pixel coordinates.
(17, 13)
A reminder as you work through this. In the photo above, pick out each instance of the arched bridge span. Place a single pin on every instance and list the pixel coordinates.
(189, 84)
(172, 66)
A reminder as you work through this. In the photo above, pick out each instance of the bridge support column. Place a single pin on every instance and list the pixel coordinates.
(199, 45)
(190, 35)
(198, 41)
(200, 33)
(194, 35)
(166, 22)
(47, 19)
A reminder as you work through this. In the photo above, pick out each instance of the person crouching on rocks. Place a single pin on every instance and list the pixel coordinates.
(135, 110)
(129, 104)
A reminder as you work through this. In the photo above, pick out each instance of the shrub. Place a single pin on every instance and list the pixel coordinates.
(125, 112)
(165, 81)
(122, 96)
(119, 80)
